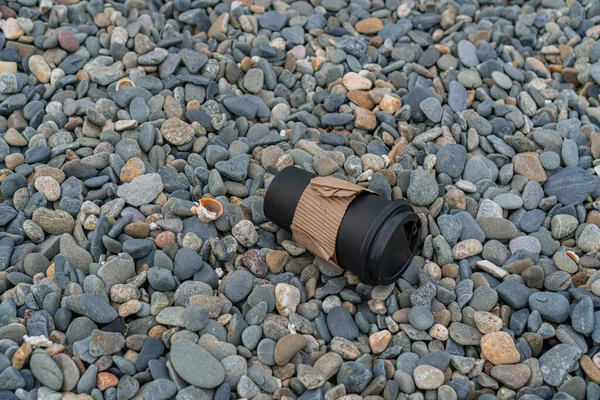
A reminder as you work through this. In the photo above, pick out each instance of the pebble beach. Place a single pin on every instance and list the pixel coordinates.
(117, 117)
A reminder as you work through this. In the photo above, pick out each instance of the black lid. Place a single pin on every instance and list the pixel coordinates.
(390, 245)
(378, 239)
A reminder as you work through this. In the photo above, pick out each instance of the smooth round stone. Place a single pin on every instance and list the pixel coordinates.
(451, 160)
(570, 153)
(589, 239)
(502, 80)
(272, 20)
(552, 307)
(470, 79)
(532, 195)
(251, 336)
(509, 201)
(514, 294)
(550, 160)
(428, 377)
(532, 220)
(160, 389)
(287, 347)
(235, 367)
(422, 189)
(187, 262)
(563, 225)
(467, 53)
(266, 351)
(432, 109)
(479, 168)
(239, 285)
(570, 185)
(420, 317)
(46, 371)
(484, 298)
(447, 61)
(450, 227)
(582, 316)
(138, 248)
(527, 243)
(12, 183)
(354, 376)
(457, 96)
(556, 363)
(495, 252)
(196, 317)
(195, 365)
(67, 40)
(341, 323)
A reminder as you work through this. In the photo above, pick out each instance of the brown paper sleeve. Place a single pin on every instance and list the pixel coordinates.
(319, 214)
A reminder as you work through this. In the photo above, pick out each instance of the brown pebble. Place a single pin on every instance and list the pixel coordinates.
(529, 165)
(499, 348)
(276, 260)
(519, 266)
(12, 161)
(246, 64)
(133, 168)
(129, 308)
(287, 347)
(361, 99)
(164, 239)
(67, 40)
(364, 118)
(157, 331)
(369, 26)
(450, 271)
(101, 20)
(442, 317)
(590, 368)
(7, 12)
(21, 356)
(401, 316)
(379, 341)
(139, 230)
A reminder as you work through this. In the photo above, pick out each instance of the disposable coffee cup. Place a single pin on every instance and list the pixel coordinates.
(377, 238)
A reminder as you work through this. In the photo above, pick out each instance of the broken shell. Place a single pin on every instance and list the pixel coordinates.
(573, 256)
(212, 205)
(125, 83)
(208, 210)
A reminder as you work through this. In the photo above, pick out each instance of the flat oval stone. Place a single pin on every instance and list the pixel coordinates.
(287, 347)
(552, 307)
(92, 307)
(341, 323)
(46, 371)
(571, 185)
(195, 365)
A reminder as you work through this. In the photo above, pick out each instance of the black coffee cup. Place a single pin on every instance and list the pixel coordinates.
(377, 238)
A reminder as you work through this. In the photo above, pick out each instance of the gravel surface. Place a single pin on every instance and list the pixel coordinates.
(116, 118)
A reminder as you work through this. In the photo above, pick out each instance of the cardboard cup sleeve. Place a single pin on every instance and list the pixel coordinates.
(320, 212)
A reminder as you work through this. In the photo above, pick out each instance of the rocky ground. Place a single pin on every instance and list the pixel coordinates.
(116, 117)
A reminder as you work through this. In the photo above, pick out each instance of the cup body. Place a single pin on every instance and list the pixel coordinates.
(377, 238)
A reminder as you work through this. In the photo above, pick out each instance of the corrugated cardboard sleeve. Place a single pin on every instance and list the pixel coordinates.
(319, 214)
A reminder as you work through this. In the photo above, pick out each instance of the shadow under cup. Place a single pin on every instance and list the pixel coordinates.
(377, 238)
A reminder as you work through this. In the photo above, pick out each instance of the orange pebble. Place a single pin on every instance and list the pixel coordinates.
(106, 380)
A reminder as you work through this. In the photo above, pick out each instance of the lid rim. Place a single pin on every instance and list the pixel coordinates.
(371, 275)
